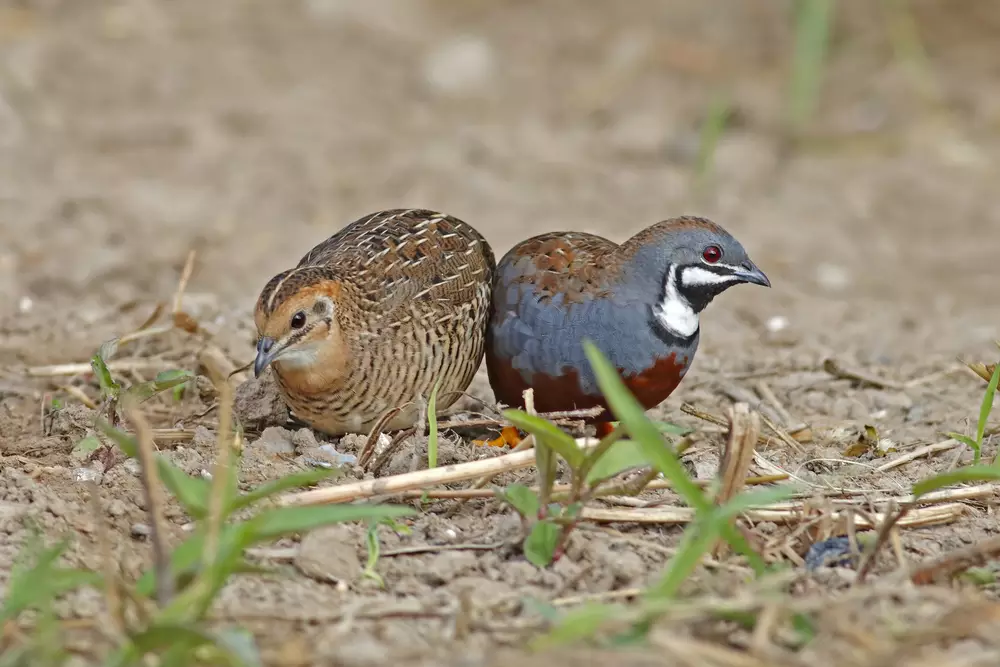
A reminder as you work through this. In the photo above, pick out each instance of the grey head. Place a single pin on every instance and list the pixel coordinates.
(679, 265)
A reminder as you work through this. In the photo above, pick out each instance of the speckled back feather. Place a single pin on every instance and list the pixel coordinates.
(393, 258)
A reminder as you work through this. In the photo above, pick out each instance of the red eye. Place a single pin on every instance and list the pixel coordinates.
(712, 254)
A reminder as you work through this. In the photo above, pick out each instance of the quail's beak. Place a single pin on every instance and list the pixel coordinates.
(266, 352)
(749, 273)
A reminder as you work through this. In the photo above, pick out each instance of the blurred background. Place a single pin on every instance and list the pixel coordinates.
(850, 145)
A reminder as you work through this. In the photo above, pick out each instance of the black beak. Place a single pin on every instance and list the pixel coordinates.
(749, 273)
(265, 355)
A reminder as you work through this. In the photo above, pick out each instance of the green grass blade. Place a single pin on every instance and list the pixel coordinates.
(127, 443)
(621, 456)
(282, 521)
(164, 381)
(812, 35)
(191, 492)
(672, 429)
(756, 498)
(109, 388)
(522, 499)
(974, 473)
(642, 429)
(987, 406)
(556, 439)
(540, 545)
(698, 538)
(968, 442)
(712, 130)
(293, 481)
(580, 624)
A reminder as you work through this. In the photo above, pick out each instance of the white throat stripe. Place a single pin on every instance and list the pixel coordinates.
(695, 276)
(674, 312)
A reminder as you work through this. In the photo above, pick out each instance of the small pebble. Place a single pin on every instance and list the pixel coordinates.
(116, 508)
(777, 323)
(459, 65)
(140, 531)
(87, 475)
(832, 277)
(276, 440)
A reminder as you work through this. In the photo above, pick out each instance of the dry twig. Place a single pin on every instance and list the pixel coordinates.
(736, 457)
(418, 480)
(917, 453)
(954, 562)
(154, 502)
(832, 367)
(925, 516)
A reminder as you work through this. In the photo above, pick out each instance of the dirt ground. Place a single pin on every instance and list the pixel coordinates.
(247, 130)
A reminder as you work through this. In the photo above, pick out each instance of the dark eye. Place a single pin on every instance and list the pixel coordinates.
(712, 254)
(298, 320)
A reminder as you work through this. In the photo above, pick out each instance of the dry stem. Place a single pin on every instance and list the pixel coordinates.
(925, 516)
(419, 479)
(154, 501)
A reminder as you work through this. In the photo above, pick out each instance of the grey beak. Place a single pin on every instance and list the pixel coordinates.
(265, 355)
(749, 273)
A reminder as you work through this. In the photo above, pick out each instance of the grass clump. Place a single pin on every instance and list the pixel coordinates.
(550, 519)
(165, 613)
(977, 472)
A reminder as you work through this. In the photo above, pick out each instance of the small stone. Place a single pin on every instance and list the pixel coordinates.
(117, 508)
(276, 440)
(832, 277)
(133, 466)
(460, 65)
(329, 555)
(258, 403)
(915, 413)
(140, 531)
(777, 323)
(203, 438)
(304, 440)
(94, 473)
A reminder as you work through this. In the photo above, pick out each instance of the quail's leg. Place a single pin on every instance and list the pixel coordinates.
(509, 436)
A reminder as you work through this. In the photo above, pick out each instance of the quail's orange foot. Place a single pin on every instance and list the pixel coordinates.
(370, 319)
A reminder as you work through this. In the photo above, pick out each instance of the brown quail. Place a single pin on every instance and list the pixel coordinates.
(370, 319)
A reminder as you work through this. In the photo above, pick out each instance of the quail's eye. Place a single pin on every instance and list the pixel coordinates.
(298, 320)
(712, 254)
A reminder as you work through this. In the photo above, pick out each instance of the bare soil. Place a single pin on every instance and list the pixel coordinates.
(134, 132)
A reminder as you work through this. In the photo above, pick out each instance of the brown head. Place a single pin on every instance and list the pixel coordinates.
(300, 315)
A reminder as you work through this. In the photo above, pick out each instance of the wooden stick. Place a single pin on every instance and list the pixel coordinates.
(736, 457)
(475, 492)
(924, 516)
(154, 505)
(419, 479)
(219, 367)
(945, 567)
(182, 283)
(120, 365)
(834, 368)
(926, 450)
